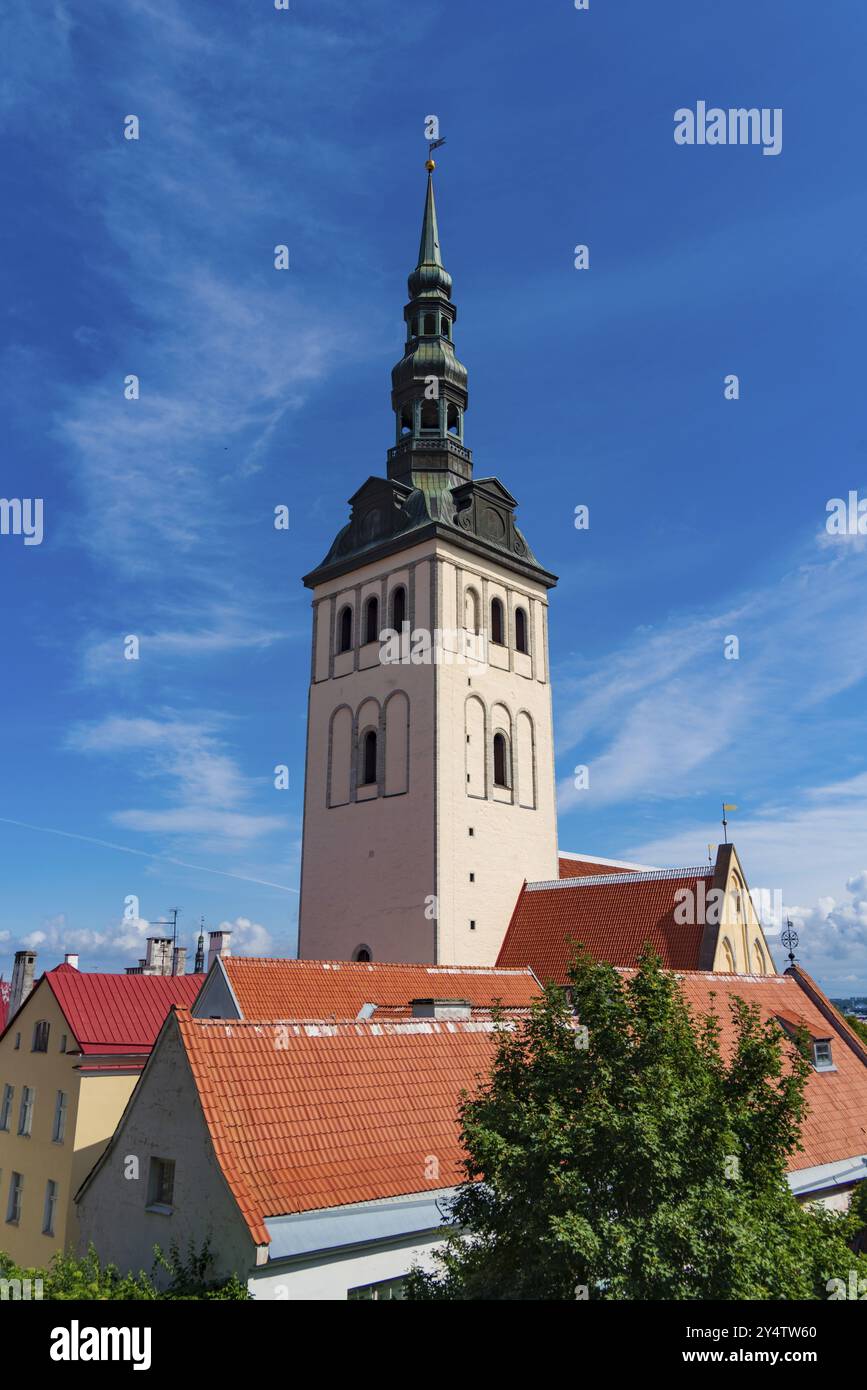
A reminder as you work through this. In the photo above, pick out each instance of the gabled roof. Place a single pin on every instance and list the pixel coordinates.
(306, 1116)
(613, 914)
(310, 1116)
(835, 1127)
(319, 989)
(119, 1014)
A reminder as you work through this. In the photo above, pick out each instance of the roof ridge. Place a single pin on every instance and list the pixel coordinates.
(649, 876)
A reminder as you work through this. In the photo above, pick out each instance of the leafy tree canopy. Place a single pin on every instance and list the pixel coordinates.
(629, 1158)
(85, 1278)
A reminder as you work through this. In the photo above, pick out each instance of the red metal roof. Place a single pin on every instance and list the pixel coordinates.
(118, 1013)
(274, 988)
(613, 914)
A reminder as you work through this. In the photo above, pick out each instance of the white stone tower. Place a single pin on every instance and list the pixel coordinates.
(429, 792)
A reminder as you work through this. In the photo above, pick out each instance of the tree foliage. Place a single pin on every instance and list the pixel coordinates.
(636, 1161)
(70, 1277)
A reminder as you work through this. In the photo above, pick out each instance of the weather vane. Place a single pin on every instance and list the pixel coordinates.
(431, 146)
(789, 938)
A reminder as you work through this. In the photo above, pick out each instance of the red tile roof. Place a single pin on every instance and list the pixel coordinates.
(580, 866)
(118, 1013)
(338, 989)
(836, 1124)
(307, 1116)
(612, 914)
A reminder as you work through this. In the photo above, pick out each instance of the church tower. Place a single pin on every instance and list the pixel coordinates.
(429, 793)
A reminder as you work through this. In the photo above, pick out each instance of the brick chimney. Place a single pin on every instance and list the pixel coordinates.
(179, 960)
(22, 979)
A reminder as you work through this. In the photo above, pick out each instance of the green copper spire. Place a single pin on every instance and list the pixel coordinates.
(429, 278)
(429, 384)
(429, 489)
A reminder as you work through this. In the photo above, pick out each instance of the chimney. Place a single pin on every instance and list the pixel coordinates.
(440, 1008)
(179, 960)
(158, 958)
(218, 945)
(71, 958)
(22, 979)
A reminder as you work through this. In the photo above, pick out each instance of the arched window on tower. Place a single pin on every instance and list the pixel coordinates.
(521, 630)
(445, 322)
(344, 630)
(371, 620)
(430, 416)
(471, 610)
(497, 622)
(398, 608)
(430, 325)
(362, 953)
(501, 761)
(368, 758)
(454, 419)
(405, 418)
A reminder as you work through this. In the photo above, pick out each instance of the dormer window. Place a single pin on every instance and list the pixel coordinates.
(823, 1059)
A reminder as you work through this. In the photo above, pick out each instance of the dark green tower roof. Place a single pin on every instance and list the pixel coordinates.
(429, 278)
(429, 489)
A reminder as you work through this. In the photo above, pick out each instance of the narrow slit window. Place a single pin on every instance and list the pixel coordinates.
(497, 621)
(371, 620)
(501, 761)
(345, 630)
(368, 758)
(521, 630)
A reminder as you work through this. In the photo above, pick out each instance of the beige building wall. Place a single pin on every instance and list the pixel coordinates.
(94, 1105)
(165, 1122)
(741, 943)
(387, 868)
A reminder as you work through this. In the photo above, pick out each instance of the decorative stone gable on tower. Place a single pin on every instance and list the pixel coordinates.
(430, 781)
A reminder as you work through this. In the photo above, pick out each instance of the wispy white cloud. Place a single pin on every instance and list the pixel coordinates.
(655, 716)
(202, 789)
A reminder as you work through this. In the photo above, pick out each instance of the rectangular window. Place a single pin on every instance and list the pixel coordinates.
(63, 1042)
(6, 1108)
(13, 1207)
(59, 1128)
(161, 1183)
(40, 1036)
(48, 1209)
(17, 1041)
(25, 1113)
(386, 1288)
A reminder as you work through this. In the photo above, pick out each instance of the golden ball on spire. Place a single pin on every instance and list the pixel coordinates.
(430, 165)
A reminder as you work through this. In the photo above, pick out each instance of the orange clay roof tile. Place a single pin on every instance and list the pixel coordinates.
(320, 988)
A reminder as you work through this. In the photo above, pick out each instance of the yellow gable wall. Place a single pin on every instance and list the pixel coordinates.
(740, 937)
(94, 1106)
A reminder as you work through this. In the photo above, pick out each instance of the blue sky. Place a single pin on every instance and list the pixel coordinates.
(154, 778)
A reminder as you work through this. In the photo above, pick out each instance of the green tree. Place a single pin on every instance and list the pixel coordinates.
(85, 1278)
(634, 1161)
